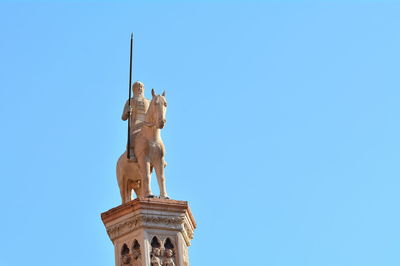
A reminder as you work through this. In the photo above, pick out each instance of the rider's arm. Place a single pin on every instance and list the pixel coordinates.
(125, 113)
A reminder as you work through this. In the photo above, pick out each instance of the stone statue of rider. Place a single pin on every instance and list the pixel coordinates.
(139, 106)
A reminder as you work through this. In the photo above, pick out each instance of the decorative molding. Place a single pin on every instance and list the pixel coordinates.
(162, 220)
(124, 227)
(187, 233)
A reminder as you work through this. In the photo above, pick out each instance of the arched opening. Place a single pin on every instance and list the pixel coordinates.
(136, 250)
(168, 244)
(155, 243)
(125, 257)
(136, 245)
(124, 250)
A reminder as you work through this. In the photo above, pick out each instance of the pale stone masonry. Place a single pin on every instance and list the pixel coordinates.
(150, 231)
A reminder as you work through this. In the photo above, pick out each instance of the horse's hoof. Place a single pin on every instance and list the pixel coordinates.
(165, 197)
(151, 196)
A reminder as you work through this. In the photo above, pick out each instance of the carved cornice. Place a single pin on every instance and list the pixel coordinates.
(153, 213)
(148, 204)
(187, 233)
(164, 222)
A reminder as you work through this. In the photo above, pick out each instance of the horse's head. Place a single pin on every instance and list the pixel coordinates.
(158, 109)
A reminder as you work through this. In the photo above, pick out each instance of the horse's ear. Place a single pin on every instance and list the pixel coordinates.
(163, 94)
(153, 93)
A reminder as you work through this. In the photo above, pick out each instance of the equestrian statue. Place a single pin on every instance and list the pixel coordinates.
(146, 149)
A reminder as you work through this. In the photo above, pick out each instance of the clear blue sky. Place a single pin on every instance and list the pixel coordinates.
(282, 133)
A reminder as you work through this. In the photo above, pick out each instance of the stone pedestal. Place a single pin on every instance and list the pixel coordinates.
(147, 232)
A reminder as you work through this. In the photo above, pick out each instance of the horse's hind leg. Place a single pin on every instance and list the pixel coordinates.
(159, 167)
(128, 191)
(137, 187)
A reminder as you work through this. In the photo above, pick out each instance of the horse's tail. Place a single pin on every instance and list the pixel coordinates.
(119, 169)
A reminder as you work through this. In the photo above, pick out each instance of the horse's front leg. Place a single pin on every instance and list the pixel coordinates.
(144, 168)
(159, 167)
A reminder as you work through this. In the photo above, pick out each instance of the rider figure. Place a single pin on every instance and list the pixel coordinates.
(139, 106)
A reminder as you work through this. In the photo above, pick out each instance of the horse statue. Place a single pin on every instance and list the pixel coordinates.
(149, 150)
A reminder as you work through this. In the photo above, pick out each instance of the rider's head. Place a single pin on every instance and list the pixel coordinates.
(138, 89)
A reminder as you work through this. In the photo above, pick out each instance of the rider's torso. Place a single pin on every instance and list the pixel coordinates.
(140, 106)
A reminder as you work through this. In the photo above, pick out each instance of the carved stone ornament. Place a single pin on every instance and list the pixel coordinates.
(125, 257)
(155, 257)
(169, 258)
(136, 254)
(162, 254)
(126, 260)
(125, 227)
(187, 233)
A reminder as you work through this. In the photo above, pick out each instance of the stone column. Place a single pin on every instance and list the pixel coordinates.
(147, 232)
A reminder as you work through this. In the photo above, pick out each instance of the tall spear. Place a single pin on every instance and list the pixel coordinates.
(129, 92)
